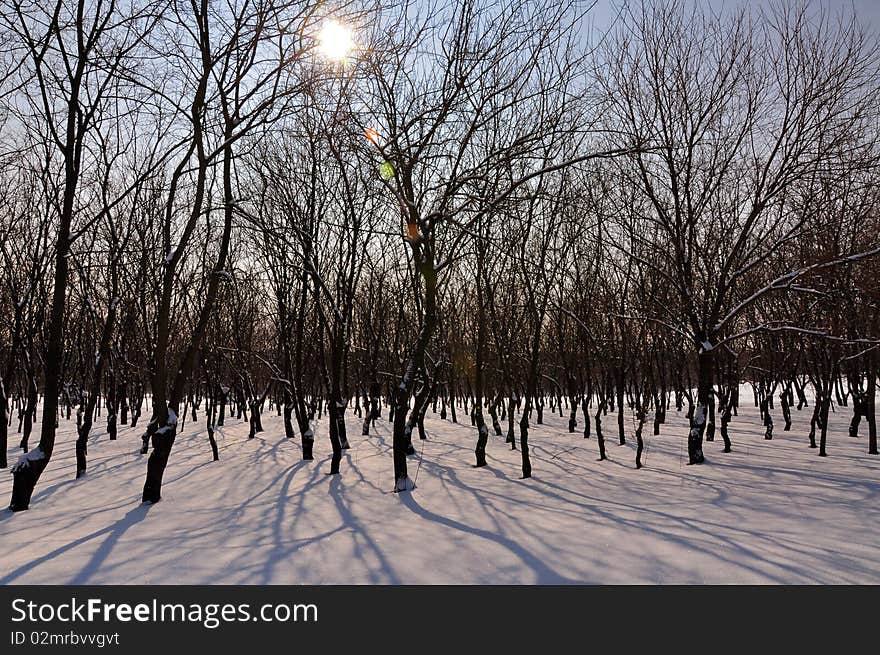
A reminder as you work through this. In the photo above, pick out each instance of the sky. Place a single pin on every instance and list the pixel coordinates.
(867, 11)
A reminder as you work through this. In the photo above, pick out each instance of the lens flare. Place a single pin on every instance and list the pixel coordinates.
(372, 136)
(386, 170)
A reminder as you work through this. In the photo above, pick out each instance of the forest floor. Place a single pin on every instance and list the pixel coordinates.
(769, 512)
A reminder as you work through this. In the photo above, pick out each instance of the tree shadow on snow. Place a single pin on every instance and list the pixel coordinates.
(545, 574)
(113, 532)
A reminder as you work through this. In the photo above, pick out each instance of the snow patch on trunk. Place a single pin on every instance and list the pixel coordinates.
(170, 424)
(24, 462)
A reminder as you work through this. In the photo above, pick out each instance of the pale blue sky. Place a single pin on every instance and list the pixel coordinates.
(867, 11)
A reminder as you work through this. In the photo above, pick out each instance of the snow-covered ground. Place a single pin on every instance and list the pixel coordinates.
(770, 512)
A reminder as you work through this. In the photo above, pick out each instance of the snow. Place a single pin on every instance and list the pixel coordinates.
(769, 512)
(25, 460)
(170, 424)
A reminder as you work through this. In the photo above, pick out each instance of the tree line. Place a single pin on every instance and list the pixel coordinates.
(489, 209)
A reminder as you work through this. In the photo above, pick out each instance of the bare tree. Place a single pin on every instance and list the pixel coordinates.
(738, 112)
(74, 55)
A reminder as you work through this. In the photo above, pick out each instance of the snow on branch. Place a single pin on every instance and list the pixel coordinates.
(786, 281)
(769, 327)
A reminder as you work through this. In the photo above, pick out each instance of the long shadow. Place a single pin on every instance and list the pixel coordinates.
(133, 516)
(710, 531)
(236, 511)
(598, 508)
(349, 520)
(279, 549)
(97, 468)
(545, 575)
(732, 543)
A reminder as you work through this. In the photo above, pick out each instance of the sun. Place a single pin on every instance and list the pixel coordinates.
(335, 41)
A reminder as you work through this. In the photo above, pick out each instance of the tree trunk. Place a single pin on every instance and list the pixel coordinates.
(493, 412)
(30, 467)
(814, 420)
(725, 420)
(621, 430)
(704, 389)
(710, 426)
(639, 442)
(870, 409)
(585, 404)
(524, 438)
(30, 410)
(288, 415)
(823, 423)
(210, 415)
(425, 266)
(511, 435)
(334, 417)
(482, 430)
(785, 401)
(94, 394)
(163, 426)
(4, 424)
(599, 436)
